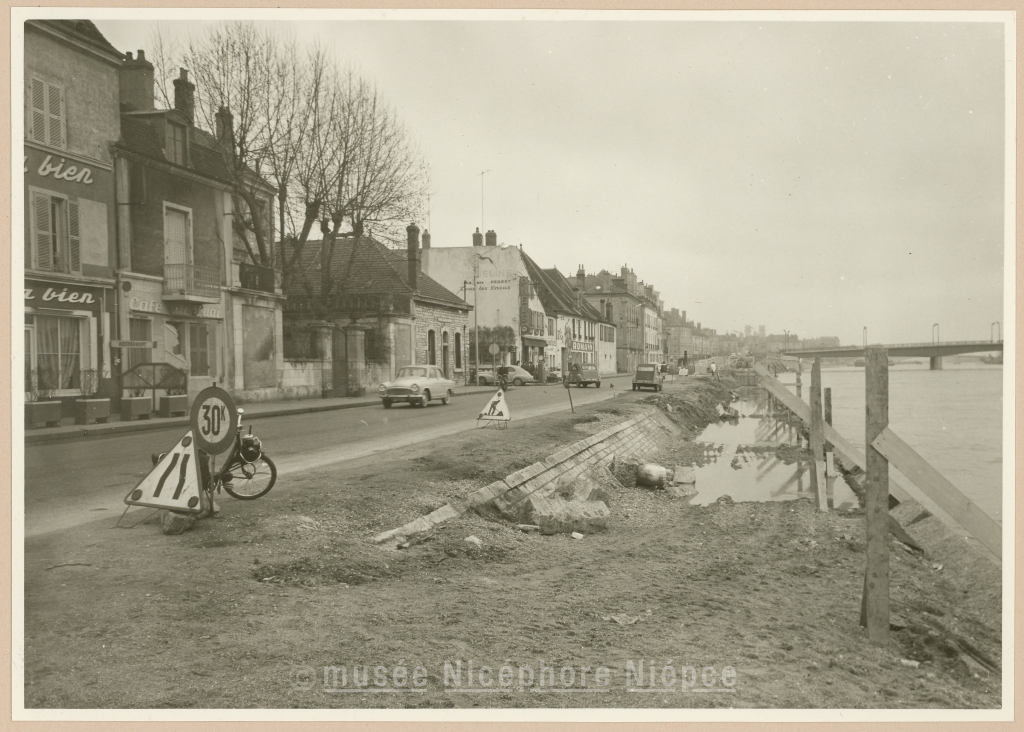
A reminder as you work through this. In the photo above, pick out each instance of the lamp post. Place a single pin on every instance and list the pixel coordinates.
(997, 326)
(865, 336)
(935, 333)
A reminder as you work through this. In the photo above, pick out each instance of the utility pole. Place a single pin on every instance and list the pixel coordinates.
(476, 323)
(482, 199)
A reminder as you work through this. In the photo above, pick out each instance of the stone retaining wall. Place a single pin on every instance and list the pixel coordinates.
(635, 438)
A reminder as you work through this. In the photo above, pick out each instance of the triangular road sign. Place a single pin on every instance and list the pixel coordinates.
(496, 409)
(173, 483)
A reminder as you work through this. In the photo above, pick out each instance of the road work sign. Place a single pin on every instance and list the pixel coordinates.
(496, 409)
(173, 483)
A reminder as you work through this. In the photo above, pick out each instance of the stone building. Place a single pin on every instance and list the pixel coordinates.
(378, 312)
(635, 308)
(71, 119)
(677, 337)
(186, 282)
(506, 304)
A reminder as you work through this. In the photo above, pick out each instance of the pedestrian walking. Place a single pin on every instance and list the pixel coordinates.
(714, 371)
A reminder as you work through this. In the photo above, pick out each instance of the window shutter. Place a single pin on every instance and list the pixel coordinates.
(43, 231)
(74, 240)
(55, 97)
(37, 125)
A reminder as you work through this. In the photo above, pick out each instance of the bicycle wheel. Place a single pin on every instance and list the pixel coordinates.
(251, 480)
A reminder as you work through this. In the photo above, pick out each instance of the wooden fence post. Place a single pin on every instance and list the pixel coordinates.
(875, 604)
(818, 439)
(830, 468)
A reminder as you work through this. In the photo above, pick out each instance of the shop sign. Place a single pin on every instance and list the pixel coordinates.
(57, 169)
(148, 305)
(582, 346)
(63, 297)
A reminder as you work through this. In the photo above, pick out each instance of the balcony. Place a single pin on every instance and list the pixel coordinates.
(191, 283)
(254, 277)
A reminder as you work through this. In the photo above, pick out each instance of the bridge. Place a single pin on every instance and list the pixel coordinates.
(934, 351)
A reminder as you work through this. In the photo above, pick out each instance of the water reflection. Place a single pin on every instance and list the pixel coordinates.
(741, 459)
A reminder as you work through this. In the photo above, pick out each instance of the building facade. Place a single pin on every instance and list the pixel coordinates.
(494, 279)
(71, 120)
(380, 311)
(186, 284)
(635, 308)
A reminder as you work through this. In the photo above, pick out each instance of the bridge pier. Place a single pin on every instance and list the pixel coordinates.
(935, 363)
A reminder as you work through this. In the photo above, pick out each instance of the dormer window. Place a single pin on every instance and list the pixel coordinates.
(174, 147)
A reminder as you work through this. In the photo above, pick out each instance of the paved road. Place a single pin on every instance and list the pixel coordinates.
(70, 483)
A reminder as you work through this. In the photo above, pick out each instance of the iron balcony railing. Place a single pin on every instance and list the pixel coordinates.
(191, 280)
(255, 277)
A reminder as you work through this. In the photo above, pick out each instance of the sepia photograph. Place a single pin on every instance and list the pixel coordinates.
(513, 365)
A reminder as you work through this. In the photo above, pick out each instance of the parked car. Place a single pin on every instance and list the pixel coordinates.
(648, 376)
(417, 385)
(517, 376)
(584, 374)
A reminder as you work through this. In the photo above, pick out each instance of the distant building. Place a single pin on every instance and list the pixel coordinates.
(677, 337)
(760, 331)
(636, 310)
(820, 342)
(384, 313)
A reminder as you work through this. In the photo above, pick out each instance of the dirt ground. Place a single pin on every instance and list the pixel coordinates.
(245, 610)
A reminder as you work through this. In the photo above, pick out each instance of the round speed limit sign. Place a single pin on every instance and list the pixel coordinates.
(213, 420)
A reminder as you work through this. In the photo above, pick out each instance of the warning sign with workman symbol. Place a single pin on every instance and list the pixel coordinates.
(173, 483)
(496, 409)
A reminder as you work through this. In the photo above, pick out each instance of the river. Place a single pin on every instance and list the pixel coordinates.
(952, 417)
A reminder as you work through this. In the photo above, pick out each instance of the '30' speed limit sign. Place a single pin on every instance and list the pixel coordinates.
(213, 420)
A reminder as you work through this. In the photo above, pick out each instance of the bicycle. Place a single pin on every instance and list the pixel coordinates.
(247, 473)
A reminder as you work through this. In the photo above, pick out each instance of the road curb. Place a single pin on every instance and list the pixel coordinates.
(106, 430)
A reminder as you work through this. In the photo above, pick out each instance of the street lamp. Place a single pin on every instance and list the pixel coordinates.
(935, 332)
(998, 329)
(865, 336)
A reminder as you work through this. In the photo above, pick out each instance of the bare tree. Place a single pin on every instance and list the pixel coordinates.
(321, 136)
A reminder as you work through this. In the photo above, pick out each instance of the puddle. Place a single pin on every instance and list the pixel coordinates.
(740, 459)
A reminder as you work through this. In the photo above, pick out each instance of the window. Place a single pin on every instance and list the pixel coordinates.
(56, 243)
(139, 329)
(46, 122)
(431, 348)
(551, 326)
(174, 146)
(58, 352)
(174, 343)
(177, 236)
(199, 349)
(29, 359)
(458, 350)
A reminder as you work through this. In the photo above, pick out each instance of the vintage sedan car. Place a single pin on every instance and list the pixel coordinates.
(648, 376)
(517, 376)
(584, 374)
(417, 385)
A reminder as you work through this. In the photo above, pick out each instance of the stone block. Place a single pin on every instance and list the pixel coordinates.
(684, 490)
(684, 475)
(176, 523)
(651, 475)
(557, 516)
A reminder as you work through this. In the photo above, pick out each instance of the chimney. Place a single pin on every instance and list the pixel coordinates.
(414, 255)
(581, 278)
(492, 238)
(225, 128)
(426, 239)
(185, 96)
(478, 238)
(683, 316)
(135, 82)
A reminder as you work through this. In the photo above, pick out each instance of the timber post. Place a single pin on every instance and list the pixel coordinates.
(817, 439)
(875, 605)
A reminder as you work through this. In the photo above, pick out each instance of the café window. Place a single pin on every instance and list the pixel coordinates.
(175, 143)
(58, 352)
(56, 241)
(46, 124)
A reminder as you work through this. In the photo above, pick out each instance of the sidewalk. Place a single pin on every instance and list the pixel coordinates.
(253, 410)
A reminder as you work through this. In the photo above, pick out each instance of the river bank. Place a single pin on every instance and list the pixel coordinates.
(241, 611)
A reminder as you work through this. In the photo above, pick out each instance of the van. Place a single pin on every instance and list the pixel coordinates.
(648, 376)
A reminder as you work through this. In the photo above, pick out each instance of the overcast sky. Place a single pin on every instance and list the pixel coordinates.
(811, 176)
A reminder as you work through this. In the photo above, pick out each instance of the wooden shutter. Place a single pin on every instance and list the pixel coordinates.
(37, 125)
(55, 99)
(74, 240)
(43, 231)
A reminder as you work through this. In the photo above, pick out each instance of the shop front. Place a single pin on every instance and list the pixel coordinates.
(66, 325)
(187, 335)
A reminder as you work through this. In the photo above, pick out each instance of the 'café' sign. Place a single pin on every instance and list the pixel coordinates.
(71, 173)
